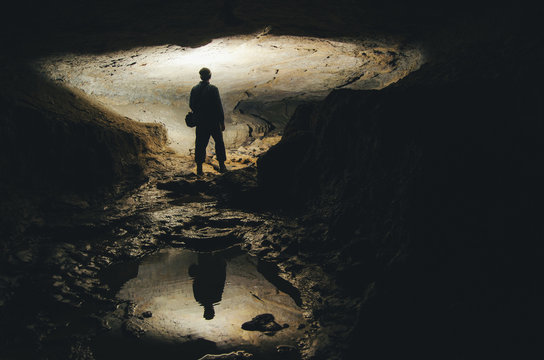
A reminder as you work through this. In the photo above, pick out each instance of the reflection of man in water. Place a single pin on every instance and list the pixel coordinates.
(208, 281)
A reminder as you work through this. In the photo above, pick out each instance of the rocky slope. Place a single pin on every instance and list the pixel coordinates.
(53, 138)
(424, 199)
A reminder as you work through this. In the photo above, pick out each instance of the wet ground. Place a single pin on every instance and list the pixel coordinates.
(196, 302)
(136, 277)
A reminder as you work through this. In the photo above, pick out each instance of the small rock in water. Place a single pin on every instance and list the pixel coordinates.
(235, 355)
(24, 256)
(133, 328)
(285, 348)
(130, 310)
(264, 323)
(147, 314)
(105, 325)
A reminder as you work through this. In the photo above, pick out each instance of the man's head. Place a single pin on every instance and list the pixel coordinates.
(209, 312)
(205, 74)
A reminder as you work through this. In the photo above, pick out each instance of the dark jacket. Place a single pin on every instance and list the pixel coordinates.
(206, 104)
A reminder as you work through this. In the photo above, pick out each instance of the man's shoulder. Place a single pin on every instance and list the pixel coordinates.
(201, 84)
(211, 87)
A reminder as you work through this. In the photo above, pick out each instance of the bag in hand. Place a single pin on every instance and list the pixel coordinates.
(190, 119)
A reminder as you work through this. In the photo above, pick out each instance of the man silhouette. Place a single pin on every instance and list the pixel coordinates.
(208, 281)
(206, 104)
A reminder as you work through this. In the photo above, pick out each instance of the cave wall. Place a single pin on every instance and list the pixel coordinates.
(427, 194)
(55, 139)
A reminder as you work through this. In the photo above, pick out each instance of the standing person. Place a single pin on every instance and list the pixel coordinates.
(206, 104)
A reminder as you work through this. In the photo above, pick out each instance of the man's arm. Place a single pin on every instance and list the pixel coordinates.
(192, 99)
(220, 110)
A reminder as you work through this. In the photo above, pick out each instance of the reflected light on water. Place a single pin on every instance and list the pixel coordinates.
(209, 296)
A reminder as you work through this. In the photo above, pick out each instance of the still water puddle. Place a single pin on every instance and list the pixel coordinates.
(203, 298)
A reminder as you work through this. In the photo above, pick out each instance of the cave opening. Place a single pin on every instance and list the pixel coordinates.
(133, 102)
(262, 78)
(383, 182)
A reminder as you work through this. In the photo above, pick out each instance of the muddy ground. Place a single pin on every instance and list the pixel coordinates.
(58, 295)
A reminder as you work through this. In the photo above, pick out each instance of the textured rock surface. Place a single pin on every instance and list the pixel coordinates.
(261, 78)
(235, 355)
(418, 189)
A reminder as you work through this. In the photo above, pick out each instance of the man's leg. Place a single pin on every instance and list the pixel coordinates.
(201, 142)
(217, 135)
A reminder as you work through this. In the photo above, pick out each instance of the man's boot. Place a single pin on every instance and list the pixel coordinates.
(222, 167)
(199, 171)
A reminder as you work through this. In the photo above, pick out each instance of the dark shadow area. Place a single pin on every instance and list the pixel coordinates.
(184, 187)
(36, 27)
(210, 240)
(54, 140)
(431, 221)
(122, 347)
(116, 275)
(270, 272)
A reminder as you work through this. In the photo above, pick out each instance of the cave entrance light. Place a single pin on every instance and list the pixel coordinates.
(261, 78)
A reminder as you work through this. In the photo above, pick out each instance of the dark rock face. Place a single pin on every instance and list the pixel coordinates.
(428, 199)
(53, 139)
